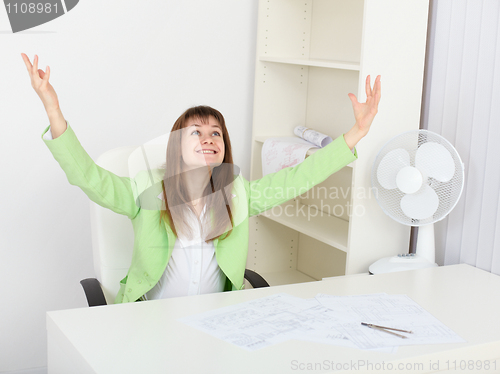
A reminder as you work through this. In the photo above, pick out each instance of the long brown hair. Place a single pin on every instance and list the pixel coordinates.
(217, 193)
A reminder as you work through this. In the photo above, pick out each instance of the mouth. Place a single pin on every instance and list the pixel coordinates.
(207, 152)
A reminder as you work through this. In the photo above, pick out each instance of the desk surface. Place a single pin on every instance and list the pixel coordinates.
(146, 337)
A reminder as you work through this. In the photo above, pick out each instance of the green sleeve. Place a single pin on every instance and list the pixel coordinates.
(281, 186)
(103, 187)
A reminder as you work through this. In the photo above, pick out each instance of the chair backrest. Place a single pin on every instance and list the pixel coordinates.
(112, 234)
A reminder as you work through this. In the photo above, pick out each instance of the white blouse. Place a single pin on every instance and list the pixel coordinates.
(192, 268)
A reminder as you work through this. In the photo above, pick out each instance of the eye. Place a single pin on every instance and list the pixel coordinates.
(215, 132)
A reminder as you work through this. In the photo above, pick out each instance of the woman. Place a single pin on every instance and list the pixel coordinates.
(190, 219)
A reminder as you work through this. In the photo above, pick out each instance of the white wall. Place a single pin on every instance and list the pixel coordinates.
(123, 71)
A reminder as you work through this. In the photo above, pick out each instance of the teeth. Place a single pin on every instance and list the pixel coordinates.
(206, 152)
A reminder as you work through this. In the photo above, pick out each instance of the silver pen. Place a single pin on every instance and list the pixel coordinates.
(386, 329)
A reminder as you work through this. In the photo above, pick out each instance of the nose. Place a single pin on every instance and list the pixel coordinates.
(207, 139)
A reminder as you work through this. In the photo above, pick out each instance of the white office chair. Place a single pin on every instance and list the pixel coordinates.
(112, 233)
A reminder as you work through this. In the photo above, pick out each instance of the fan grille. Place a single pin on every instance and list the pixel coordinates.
(448, 192)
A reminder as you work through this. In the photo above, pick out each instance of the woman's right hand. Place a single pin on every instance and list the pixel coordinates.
(40, 82)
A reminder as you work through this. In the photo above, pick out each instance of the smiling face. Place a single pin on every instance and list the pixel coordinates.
(202, 143)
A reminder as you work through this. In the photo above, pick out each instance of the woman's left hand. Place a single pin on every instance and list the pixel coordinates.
(364, 112)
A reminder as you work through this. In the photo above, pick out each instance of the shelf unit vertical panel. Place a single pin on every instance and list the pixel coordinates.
(336, 30)
(333, 195)
(329, 109)
(280, 94)
(272, 246)
(280, 98)
(256, 164)
(319, 260)
(284, 28)
(395, 51)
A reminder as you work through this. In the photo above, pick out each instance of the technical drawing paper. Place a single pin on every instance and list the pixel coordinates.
(396, 311)
(280, 153)
(318, 139)
(325, 319)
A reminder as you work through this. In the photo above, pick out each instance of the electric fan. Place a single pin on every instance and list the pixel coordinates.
(418, 178)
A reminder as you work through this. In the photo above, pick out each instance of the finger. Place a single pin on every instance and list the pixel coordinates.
(378, 89)
(47, 74)
(35, 64)
(353, 98)
(367, 87)
(27, 62)
(41, 73)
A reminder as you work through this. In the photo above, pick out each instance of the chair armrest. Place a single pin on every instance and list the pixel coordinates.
(93, 292)
(255, 279)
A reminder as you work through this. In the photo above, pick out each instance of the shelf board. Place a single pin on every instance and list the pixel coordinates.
(344, 65)
(279, 278)
(312, 222)
(262, 139)
(347, 275)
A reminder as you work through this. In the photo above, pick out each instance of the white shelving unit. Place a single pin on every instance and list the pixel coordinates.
(318, 63)
(310, 55)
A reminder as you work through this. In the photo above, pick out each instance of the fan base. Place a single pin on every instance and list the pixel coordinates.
(400, 263)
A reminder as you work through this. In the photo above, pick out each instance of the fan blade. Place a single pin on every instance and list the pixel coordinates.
(433, 160)
(420, 205)
(390, 165)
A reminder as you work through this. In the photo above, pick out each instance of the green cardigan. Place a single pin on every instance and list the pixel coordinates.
(153, 243)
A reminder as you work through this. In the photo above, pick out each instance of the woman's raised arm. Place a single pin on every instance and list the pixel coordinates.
(364, 112)
(120, 194)
(41, 85)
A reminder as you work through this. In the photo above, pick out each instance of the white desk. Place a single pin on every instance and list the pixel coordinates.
(145, 337)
